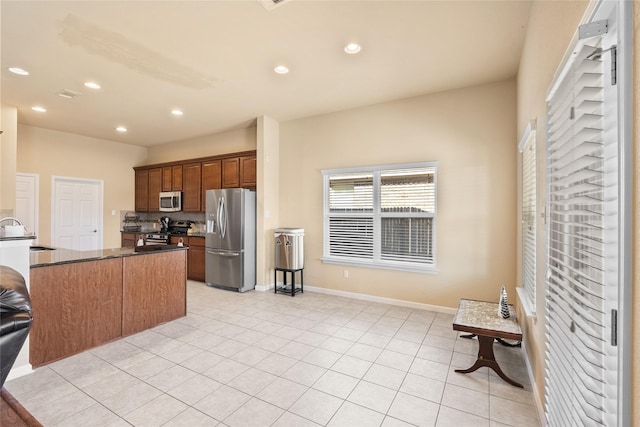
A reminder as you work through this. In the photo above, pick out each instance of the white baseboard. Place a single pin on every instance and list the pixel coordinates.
(381, 300)
(532, 380)
(365, 297)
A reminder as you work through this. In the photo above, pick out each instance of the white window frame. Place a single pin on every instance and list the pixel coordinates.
(527, 147)
(377, 262)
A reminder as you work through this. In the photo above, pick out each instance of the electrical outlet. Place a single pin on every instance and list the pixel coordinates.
(345, 274)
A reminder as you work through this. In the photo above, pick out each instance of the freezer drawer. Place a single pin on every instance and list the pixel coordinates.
(229, 270)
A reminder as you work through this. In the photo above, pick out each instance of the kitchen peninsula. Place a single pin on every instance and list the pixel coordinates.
(81, 299)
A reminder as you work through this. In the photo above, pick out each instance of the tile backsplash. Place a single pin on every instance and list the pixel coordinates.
(151, 221)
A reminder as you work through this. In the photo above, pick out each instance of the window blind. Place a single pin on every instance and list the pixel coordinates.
(381, 216)
(582, 205)
(528, 150)
(406, 197)
(351, 215)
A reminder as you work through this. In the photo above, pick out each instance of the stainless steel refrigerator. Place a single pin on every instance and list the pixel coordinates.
(230, 261)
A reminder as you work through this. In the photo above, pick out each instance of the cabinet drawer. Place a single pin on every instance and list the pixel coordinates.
(196, 241)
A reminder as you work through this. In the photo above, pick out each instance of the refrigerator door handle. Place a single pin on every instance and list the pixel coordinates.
(227, 254)
(222, 214)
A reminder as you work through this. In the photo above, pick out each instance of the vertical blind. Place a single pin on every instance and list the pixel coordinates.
(382, 215)
(529, 218)
(582, 176)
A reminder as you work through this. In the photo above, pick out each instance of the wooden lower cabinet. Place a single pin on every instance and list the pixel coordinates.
(81, 305)
(196, 259)
(195, 256)
(75, 306)
(154, 290)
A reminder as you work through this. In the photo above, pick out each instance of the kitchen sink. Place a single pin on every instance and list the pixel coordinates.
(40, 248)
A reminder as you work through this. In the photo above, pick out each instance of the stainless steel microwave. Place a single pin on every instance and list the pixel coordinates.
(170, 201)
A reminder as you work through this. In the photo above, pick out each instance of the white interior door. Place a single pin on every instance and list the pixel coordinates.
(77, 213)
(27, 189)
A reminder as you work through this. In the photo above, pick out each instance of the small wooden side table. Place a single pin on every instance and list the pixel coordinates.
(482, 319)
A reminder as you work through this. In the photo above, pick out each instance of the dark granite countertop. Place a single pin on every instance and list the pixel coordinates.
(188, 235)
(4, 238)
(173, 234)
(65, 256)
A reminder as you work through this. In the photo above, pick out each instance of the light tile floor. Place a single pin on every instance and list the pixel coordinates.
(259, 359)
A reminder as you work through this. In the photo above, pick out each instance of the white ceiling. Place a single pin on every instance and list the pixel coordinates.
(215, 59)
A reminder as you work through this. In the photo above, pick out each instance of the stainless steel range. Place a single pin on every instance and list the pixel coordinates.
(156, 239)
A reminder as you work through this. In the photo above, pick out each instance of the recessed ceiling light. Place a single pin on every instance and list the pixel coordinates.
(19, 71)
(92, 85)
(121, 129)
(352, 48)
(281, 69)
(39, 109)
(176, 112)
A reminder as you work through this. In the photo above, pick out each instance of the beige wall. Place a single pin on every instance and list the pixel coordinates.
(51, 153)
(209, 145)
(268, 197)
(471, 133)
(551, 26)
(8, 153)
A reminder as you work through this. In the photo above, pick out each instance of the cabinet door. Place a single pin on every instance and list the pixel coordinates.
(166, 178)
(142, 191)
(191, 187)
(248, 172)
(176, 175)
(153, 289)
(231, 173)
(155, 187)
(211, 179)
(76, 306)
(130, 240)
(127, 240)
(196, 256)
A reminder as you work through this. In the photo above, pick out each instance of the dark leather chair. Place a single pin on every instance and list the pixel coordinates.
(15, 318)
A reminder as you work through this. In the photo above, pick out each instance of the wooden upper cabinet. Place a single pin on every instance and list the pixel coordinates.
(155, 187)
(248, 172)
(176, 175)
(142, 191)
(172, 178)
(231, 173)
(211, 179)
(167, 178)
(191, 187)
(193, 177)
